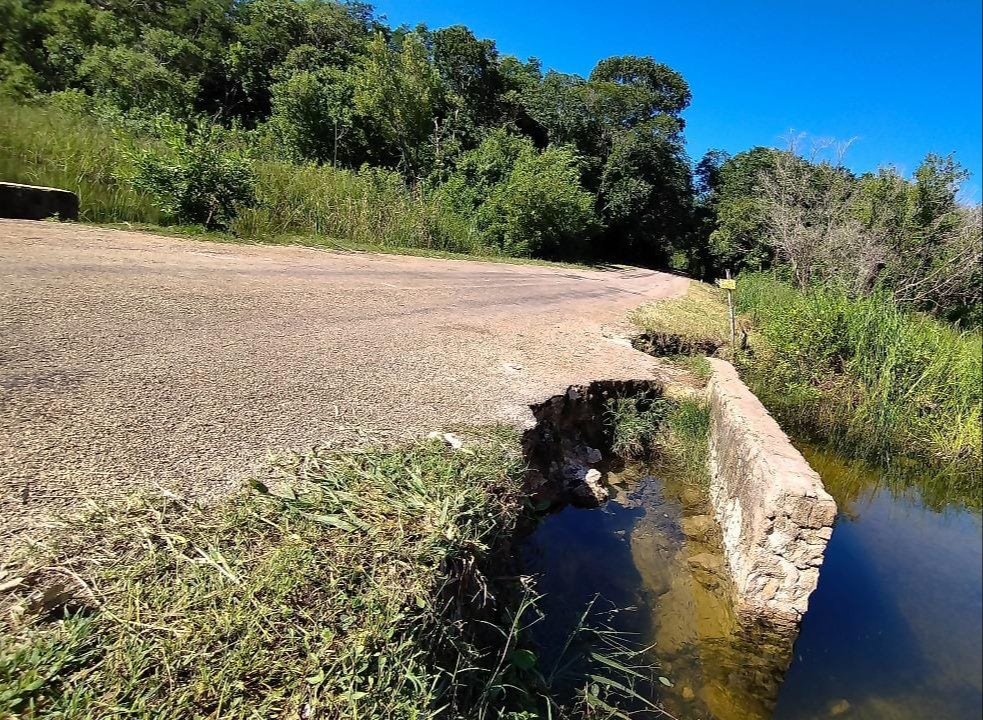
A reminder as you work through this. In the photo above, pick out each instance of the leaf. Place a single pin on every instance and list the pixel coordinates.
(665, 681)
(316, 679)
(522, 659)
(259, 486)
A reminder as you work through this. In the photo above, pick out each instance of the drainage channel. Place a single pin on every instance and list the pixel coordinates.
(628, 563)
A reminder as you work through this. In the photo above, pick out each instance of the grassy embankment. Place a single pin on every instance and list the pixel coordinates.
(375, 583)
(318, 206)
(860, 373)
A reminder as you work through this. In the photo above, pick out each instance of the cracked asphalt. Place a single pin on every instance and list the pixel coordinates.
(130, 360)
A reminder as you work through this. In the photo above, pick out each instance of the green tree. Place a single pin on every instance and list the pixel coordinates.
(522, 201)
(312, 111)
(398, 90)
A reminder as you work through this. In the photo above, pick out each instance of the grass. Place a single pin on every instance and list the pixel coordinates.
(672, 432)
(343, 590)
(43, 146)
(347, 584)
(317, 206)
(864, 372)
(858, 373)
(687, 325)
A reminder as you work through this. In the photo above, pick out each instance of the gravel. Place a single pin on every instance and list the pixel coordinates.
(134, 361)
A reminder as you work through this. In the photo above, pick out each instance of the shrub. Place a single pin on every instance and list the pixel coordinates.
(523, 202)
(196, 180)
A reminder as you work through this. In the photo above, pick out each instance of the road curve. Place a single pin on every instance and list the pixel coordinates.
(130, 360)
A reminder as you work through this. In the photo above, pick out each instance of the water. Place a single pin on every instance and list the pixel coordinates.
(893, 631)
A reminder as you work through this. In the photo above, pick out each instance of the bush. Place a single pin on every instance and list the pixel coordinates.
(195, 180)
(885, 380)
(520, 201)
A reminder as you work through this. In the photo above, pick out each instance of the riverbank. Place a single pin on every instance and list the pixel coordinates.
(892, 386)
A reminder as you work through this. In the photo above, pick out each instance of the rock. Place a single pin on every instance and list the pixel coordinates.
(573, 393)
(593, 455)
(839, 708)
(713, 564)
(697, 526)
(591, 490)
(688, 693)
(451, 440)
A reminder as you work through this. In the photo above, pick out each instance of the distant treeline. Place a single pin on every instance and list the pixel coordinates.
(289, 116)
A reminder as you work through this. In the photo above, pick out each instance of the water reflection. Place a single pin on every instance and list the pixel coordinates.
(894, 629)
(654, 551)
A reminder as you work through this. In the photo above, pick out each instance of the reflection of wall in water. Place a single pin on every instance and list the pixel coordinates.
(716, 664)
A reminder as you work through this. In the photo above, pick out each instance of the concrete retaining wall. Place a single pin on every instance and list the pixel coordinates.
(29, 202)
(773, 511)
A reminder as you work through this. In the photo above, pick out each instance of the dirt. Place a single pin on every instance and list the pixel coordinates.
(134, 361)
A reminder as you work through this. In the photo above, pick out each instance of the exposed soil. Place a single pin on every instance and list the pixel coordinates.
(132, 361)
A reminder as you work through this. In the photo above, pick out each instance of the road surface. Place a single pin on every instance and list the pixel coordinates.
(130, 360)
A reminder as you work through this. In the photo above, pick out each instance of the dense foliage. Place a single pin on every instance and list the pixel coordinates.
(863, 235)
(567, 167)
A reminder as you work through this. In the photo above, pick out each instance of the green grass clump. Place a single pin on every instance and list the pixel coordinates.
(370, 584)
(860, 370)
(634, 424)
(352, 586)
(673, 432)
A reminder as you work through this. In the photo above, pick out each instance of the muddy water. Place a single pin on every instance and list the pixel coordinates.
(893, 631)
(651, 557)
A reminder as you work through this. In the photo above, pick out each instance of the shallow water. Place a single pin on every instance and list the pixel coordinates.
(893, 631)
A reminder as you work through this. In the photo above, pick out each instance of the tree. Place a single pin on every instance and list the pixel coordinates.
(312, 111)
(399, 91)
(522, 201)
(646, 194)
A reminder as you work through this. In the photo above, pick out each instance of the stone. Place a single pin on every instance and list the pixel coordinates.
(688, 693)
(450, 439)
(839, 708)
(774, 514)
(585, 485)
(593, 455)
(696, 526)
(30, 202)
(707, 562)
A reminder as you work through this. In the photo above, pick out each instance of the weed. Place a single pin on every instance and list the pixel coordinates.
(633, 424)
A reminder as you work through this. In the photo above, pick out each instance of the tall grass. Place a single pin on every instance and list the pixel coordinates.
(43, 145)
(861, 370)
(369, 207)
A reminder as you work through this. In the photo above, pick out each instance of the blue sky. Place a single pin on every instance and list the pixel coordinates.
(903, 78)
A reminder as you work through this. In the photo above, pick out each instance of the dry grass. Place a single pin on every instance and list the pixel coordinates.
(693, 323)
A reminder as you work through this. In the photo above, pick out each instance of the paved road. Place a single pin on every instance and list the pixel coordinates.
(130, 359)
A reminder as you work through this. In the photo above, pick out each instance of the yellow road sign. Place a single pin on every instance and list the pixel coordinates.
(728, 284)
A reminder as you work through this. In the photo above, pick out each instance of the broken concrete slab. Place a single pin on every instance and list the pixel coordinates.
(31, 202)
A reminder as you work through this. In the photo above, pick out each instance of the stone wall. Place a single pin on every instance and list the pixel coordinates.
(775, 515)
(28, 202)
